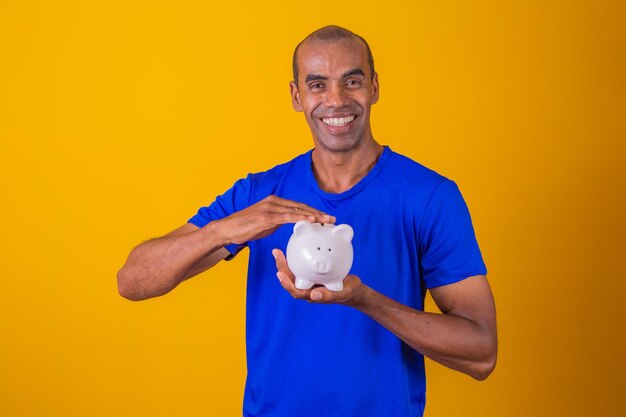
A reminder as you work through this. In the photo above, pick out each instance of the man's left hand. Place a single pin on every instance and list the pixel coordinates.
(351, 295)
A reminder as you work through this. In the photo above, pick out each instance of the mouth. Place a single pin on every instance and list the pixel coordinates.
(338, 121)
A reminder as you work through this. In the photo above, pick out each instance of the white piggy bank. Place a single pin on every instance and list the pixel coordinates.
(320, 254)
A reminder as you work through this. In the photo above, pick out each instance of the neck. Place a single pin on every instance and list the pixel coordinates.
(337, 172)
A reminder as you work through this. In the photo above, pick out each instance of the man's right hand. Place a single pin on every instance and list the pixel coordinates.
(157, 266)
(263, 218)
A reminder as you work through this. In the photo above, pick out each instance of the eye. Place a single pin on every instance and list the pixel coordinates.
(316, 86)
(328, 249)
(353, 83)
(318, 248)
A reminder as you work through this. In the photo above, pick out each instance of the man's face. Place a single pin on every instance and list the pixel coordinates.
(335, 91)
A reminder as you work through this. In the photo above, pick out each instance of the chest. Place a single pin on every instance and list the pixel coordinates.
(386, 254)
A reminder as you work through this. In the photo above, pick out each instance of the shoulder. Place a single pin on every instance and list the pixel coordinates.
(281, 170)
(421, 190)
(413, 176)
(261, 184)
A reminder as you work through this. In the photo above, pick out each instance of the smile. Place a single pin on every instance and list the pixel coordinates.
(338, 121)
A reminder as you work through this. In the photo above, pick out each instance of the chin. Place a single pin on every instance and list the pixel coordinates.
(339, 145)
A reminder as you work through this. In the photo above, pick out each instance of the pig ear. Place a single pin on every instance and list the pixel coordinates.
(301, 228)
(343, 230)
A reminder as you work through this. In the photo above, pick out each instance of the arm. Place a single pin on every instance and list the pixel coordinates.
(157, 266)
(463, 338)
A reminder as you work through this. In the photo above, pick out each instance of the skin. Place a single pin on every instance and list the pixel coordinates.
(334, 81)
(157, 266)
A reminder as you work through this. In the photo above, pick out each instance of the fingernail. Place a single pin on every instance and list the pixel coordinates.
(274, 254)
(279, 277)
(312, 218)
(316, 296)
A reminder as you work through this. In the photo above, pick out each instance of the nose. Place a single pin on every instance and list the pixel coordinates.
(336, 96)
(322, 266)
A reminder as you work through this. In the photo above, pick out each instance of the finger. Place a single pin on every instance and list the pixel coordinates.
(320, 216)
(282, 266)
(295, 204)
(323, 295)
(317, 295)
(291, 217)
(290, 287)
(326, 296)
(289, 206)
(314, 216)
(287, 278)
(287, 283)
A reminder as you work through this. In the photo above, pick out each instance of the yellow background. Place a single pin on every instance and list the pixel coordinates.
(118, 119)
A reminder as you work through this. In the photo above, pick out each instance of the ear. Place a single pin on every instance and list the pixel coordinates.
(301, 228)
(343, 230)
(295, 96)
(375, 88)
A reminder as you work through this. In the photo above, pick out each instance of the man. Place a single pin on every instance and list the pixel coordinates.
(359, 351)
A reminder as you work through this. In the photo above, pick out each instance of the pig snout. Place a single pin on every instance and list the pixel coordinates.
(322, 266)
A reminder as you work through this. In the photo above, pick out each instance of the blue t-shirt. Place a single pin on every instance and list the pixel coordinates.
(412, 231)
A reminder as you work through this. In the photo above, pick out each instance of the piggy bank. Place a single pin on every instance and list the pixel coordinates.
(320, 253)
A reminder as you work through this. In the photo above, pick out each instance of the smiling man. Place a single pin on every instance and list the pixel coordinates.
(359, 351)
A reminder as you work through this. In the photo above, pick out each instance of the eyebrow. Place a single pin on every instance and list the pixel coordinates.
(356, 71)
(314, 77)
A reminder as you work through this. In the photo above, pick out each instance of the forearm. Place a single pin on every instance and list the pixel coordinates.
(157, 266)
(454, 341)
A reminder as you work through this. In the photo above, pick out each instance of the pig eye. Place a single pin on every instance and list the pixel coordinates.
(328, 249)
(318, 248)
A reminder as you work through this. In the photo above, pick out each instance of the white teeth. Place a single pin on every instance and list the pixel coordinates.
(337, 121)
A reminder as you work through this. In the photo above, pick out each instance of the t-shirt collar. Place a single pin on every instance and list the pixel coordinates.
(356, 188)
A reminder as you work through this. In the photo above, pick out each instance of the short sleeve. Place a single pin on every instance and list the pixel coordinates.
(235, 199)
(448, 246)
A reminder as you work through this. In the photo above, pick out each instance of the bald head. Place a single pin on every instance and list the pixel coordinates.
(329, 34)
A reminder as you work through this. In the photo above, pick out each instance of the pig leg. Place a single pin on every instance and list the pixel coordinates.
(303, 284)
(335, 286)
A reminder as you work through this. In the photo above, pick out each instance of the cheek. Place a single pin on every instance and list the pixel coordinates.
(311, 104)
(364, 100)
(342, 251)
